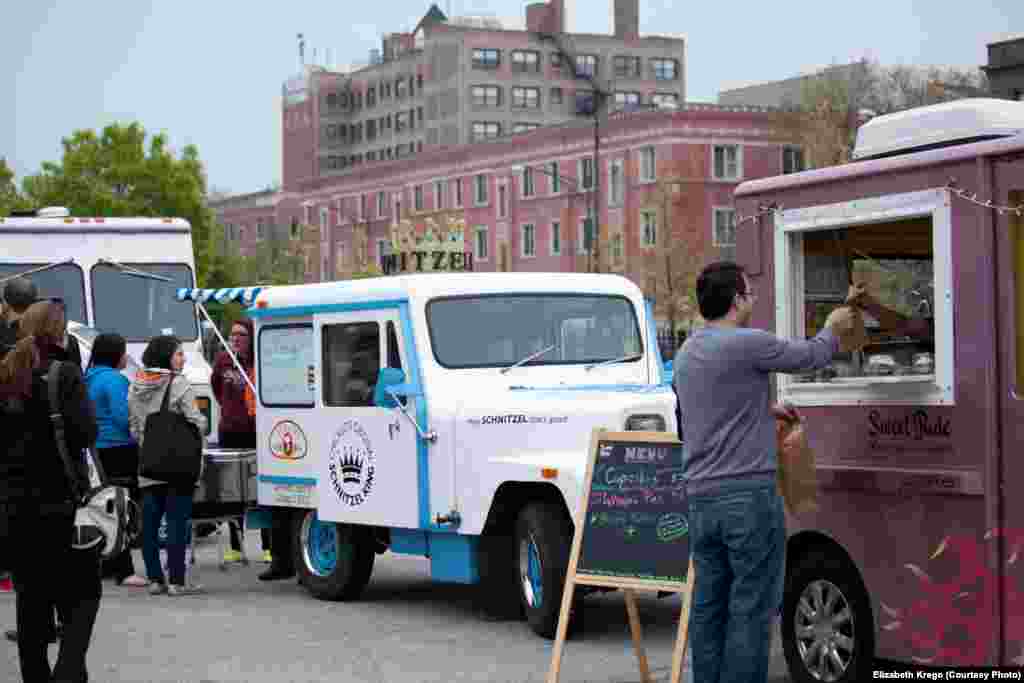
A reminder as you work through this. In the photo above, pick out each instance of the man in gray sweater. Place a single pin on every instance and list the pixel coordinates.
(737, 523)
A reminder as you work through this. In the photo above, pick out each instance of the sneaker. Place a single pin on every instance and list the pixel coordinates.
(157, 588)
(232, 556)
(184, 589)
(267, 557)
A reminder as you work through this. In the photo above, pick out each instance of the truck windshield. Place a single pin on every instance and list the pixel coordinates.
(65, 281)
(139, 308)
(490, 331)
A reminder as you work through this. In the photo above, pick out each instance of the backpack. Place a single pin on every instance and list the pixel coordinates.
(105, 516)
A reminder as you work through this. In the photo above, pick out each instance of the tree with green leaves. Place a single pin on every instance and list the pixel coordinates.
(116, 173)
(10, 198)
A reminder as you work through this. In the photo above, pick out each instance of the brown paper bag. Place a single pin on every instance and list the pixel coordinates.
(797, 475)
(847, 323)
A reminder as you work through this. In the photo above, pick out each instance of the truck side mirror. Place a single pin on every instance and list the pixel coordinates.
(388, 378)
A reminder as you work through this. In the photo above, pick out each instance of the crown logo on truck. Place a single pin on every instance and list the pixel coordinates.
(351, 466)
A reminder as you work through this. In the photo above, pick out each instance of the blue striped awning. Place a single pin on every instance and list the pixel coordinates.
(240, 295)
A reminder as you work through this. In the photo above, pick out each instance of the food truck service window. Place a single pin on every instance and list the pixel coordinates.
(286, 362)
(898, 246)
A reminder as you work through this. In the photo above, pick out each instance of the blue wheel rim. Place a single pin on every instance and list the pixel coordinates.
(321, 545)
(531, 572)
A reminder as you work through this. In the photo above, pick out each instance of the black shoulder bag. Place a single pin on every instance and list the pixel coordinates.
(172, 448)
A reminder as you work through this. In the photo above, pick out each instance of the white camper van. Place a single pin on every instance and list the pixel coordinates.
(114, 275)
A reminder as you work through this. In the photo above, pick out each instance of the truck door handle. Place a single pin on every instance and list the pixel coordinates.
(430, 436)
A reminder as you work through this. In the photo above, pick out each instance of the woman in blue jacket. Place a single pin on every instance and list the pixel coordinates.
(117, 450)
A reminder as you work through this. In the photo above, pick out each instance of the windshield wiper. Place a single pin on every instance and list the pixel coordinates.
(528, 358)
(613, 361)
(134, 272)
(37, 270)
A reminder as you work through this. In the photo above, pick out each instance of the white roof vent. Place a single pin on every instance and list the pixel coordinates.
(939, 125)
(53, 212)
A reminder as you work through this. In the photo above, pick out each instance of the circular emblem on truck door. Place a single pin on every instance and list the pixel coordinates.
(287, 441)
(350, 464)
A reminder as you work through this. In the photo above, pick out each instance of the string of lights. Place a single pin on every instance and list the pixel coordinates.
(973, 198)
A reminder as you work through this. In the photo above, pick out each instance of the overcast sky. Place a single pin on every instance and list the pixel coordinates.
(209, 72)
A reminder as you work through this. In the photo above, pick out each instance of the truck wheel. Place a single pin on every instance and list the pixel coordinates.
(827, 630)
(333, 561)
(543, 541)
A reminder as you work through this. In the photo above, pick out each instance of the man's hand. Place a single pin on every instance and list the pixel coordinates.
(785, 411)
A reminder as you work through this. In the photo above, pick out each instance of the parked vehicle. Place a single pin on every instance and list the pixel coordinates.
(447, 416)
(913, 553)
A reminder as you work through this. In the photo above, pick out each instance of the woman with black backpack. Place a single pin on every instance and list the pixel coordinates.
(161, 386)
(38, 500)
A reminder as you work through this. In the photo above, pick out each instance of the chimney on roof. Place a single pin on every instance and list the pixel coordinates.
(538, 16)
(627, 19)
(556, 16)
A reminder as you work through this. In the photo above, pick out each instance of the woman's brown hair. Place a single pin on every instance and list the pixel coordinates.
(42, 325)
(43, 320)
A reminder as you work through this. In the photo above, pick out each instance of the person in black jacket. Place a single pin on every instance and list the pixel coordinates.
(37, 498)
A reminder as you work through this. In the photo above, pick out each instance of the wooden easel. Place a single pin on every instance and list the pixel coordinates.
(628, 586)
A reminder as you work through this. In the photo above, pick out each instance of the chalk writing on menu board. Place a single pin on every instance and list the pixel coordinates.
(286, 353)
(636, 523)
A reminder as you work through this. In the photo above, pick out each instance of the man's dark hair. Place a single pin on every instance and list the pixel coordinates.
(107, 350)
(717, 287)
(20, 293)
(159, 351)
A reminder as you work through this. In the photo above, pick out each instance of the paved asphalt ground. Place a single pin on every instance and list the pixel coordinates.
(404, 628)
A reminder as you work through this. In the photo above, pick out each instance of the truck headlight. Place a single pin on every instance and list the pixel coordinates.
(645, 423)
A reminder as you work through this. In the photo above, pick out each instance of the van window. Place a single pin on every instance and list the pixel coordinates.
(351, 363)
(286, 359)
(394, 351)
(139, 308)
(65, 281)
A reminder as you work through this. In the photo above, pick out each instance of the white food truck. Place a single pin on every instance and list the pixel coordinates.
(114, 275)
(448, 416)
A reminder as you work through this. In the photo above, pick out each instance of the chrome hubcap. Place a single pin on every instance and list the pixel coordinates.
(824, 630)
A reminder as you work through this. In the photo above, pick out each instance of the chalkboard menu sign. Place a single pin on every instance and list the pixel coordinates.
(635, 524)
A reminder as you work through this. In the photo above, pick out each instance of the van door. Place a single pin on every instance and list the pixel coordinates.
(1009, 230)
(367, 467)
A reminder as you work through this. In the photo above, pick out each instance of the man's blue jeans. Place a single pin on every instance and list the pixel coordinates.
(737, 541)
(177, 505)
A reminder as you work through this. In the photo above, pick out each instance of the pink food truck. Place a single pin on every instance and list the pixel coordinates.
(916, 553)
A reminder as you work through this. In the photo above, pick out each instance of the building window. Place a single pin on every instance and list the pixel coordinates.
(382, 253)
(502, 200)
(524, 127)
(371, 98)
(627, 99)
(792, 159)
(458, 193)
(324, 213)
(586, 65)
(627, 67)
(648, 229)
(724, 234)
(526, 98)
(480, 190)
(417, 198)
(648, 169)
(485, 130)
(556, 96)
(616, 184)
(363, 213)
(526, 61)
(617, 247)
(556, 238)
(486, 96)
(665, 69)
(261, 230)
(585, 239)
(419, 115)
(399, 88)
(382, 204)
(665, 99)
(555, 180)
(486, 58)
(480, 243)
(586, 173)
(727, 162)
(439, 190)
(528, 188)
(419, 82)
(295, 232)
(529, 241)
